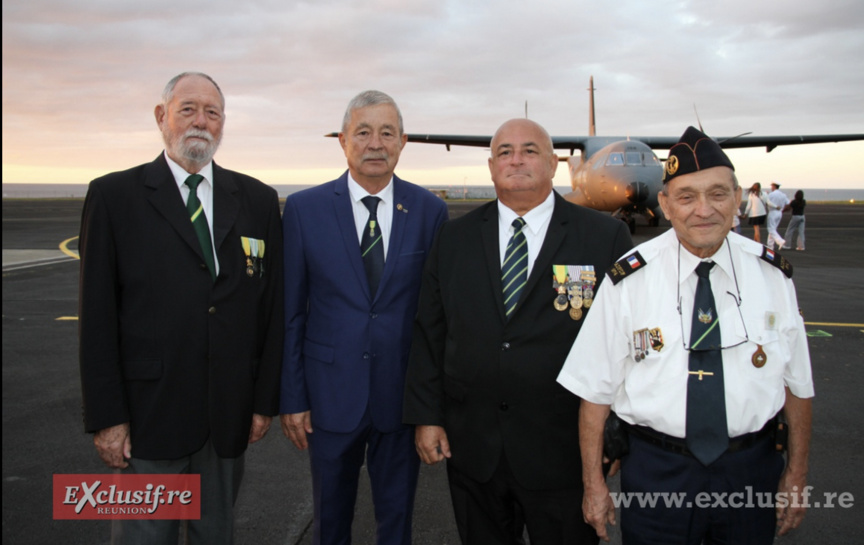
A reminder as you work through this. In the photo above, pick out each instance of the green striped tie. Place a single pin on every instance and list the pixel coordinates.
(514, 272)
(199, 222)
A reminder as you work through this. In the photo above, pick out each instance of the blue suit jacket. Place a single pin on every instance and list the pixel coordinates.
(344, 350)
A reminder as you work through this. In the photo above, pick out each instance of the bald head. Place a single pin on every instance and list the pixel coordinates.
(543, 138)
(522, 164)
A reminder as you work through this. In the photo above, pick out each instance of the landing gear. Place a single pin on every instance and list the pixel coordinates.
(630, 221)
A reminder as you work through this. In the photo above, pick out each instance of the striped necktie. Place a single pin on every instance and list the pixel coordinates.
(514, 271)
(199, 222)
(707, 434)
(372, 245)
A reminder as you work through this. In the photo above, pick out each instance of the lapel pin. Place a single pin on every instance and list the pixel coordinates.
(401, 208)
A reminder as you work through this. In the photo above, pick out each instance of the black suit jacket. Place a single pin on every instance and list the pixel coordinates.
(489, 382)
(162, 346)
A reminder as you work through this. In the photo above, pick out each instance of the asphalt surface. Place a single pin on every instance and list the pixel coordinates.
(43, 431)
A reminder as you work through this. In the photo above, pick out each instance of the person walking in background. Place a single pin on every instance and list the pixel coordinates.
(756, 210)
(777, 202)
(796, 224)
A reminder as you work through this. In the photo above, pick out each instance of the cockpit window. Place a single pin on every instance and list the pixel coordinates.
(651, 159)
(616, 158)
(633, 158)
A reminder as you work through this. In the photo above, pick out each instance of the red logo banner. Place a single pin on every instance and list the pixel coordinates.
(120, 496)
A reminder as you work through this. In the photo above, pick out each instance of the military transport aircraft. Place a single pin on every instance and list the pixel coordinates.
(623, 175)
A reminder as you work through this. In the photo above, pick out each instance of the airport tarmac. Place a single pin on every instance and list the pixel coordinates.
(43, 432)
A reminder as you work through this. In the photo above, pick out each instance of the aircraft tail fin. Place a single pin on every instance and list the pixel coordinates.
(592, 129)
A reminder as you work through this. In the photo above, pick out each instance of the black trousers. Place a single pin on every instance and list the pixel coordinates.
(730, 501)
(498, 511)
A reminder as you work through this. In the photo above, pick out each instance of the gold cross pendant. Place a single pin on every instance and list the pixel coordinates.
(701, 373)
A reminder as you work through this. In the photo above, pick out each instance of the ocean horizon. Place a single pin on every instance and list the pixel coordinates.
(78, 191)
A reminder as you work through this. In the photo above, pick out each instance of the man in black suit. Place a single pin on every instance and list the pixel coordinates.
(493, 328)
(180, 313)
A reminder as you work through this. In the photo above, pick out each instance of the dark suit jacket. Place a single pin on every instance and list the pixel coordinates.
(162, 346)
(344, 350)
(491, 383)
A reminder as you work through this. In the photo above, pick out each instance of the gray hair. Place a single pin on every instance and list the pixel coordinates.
(370, 98)
(168, 92)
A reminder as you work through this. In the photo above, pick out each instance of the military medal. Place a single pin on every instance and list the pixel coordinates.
(247, 249)
(759, 358)
(576, 313)
(559, 283)
(255, 261)
(260, 258)
(640, 344)
(656, 338)
(589, 278)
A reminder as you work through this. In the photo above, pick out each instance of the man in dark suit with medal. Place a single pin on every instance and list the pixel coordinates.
(504, 293)
(180, 314)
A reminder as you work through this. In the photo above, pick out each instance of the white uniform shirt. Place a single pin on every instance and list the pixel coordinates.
(536, 224)
(204, 192)
(361, 213)
(652, 392)
(777, 200)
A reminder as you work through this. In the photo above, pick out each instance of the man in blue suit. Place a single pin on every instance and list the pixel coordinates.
(354, 254)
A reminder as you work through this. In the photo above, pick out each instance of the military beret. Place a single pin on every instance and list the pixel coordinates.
(694, 151)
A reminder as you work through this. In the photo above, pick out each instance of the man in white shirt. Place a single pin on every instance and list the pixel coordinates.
(696, 343)
(777, 200)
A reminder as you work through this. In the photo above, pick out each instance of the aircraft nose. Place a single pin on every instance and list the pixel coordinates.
(637, 192)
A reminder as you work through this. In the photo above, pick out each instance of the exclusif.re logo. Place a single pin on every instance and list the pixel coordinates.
(118, 496)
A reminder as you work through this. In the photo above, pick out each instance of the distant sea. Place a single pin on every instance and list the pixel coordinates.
(76, 191)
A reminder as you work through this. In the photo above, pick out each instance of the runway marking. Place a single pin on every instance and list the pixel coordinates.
(66, 318)
(64, 247)
(831, 324)
(819, 333)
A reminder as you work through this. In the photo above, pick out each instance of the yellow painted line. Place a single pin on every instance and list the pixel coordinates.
(830, 324)
(66, 318)
(64, 247)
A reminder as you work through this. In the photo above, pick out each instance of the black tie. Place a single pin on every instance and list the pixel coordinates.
(707, 435)
(514, 271)
(199, 222)
(372, 246)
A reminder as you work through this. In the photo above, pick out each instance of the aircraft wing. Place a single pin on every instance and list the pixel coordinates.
(655, 142)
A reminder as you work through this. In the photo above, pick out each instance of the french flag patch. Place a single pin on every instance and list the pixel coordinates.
(633, 261)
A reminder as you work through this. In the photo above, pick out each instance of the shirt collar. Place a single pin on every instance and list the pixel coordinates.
(689, 262)
(534, 219)
(180, 173)
(357, 192)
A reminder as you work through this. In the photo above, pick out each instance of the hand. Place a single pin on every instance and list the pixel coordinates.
(431, 443)
(613, 469)
(296, 426)
(114, 446)
(597, 509)
(794, 489)
(260, 426)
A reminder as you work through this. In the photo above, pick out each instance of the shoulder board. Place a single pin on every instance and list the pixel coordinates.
(774, 258)
(626, 266)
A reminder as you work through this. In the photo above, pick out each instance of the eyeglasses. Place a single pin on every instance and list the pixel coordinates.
(737, 300)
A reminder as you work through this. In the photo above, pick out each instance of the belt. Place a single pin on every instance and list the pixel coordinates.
(679, 445)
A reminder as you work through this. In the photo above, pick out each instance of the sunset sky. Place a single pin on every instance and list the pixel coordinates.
(81, 79)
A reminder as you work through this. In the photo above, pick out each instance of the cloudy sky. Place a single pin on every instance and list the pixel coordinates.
(81, 78)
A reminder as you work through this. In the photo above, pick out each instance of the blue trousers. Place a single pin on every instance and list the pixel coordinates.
(393, 465)
(708, 514)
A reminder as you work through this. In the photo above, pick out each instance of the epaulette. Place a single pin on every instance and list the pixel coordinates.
(777, 260)
(626, 266)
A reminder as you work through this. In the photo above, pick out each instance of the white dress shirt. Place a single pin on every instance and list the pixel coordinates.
(602, 366)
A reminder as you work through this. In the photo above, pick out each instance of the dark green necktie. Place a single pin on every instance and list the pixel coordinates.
(372, 245)
(199, 222)
(707, 434)
(514, 271)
